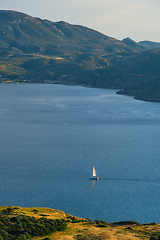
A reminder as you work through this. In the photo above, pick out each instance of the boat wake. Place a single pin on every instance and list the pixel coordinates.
(132, 180)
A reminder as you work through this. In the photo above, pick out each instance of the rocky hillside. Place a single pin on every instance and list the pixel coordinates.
(35, 50)
(34, 35)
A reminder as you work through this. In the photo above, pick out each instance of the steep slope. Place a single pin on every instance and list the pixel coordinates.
(141, 74)
(36, 50)
(33, 34)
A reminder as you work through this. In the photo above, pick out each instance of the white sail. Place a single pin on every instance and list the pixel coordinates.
(94, 172)
(94, 177)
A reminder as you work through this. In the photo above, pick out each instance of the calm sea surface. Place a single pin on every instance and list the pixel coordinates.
(51, 136)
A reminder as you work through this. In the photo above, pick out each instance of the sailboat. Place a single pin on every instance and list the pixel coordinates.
(94, 177)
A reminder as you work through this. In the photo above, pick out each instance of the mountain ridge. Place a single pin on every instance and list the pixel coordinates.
(35, 50)
(150, 44)
(21, 26)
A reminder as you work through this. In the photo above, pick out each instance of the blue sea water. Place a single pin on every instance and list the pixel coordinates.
(52, 135)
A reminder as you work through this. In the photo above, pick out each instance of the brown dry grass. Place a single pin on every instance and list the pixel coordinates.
(89, 230)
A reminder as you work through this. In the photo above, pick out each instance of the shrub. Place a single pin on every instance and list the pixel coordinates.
(155, 236)
(35, 211)
(8, 211)
(4, 234)
(21, 237)
(101, 223)
(25, 227)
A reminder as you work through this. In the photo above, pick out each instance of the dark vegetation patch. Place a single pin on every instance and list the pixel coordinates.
(123, 223)
(21, 227)
(101, 223)
(155, 236)
(90, 236)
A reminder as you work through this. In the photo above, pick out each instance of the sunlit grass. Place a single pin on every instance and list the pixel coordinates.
(78, 228)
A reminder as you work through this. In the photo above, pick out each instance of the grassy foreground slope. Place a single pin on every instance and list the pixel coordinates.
(45, 223)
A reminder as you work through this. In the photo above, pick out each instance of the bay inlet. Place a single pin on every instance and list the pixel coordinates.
(52, 135)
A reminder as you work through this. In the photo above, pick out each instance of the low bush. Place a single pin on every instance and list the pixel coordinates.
(25, 227)
(155, 236)
(100, 223)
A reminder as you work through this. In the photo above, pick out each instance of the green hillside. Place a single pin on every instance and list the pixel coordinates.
(35, 50)
(18, 223)
(31, 35)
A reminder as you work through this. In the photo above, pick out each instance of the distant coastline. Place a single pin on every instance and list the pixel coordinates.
(40, 51)
(120, 92)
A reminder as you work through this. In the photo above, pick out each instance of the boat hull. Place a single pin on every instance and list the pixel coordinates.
(94, 178)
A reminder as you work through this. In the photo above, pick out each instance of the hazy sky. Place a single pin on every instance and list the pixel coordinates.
(137, 19)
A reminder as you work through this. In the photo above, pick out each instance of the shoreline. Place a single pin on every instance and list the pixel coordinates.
(118, 91)
(37, 223)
